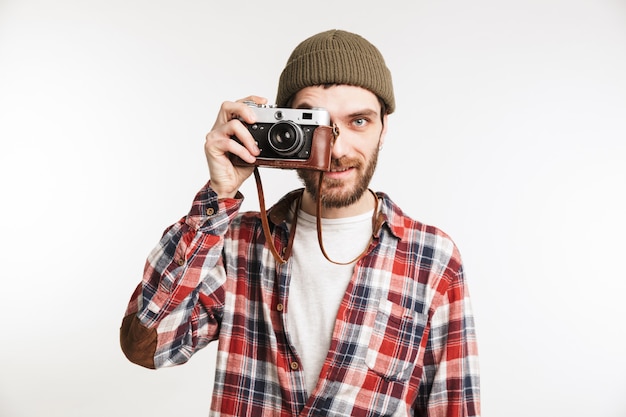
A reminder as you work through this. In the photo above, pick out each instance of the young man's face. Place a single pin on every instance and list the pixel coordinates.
(356, 112)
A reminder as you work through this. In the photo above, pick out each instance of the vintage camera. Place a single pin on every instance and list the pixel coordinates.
(291, 138)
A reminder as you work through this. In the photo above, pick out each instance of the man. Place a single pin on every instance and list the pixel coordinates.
(372, 318)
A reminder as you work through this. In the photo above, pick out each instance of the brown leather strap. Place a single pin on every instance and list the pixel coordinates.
(320, 240)
(318, 217)
(265, 223)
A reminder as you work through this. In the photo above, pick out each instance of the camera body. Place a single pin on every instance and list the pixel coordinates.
(289, 138)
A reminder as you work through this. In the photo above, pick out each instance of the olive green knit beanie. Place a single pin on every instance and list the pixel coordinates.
(336, 57)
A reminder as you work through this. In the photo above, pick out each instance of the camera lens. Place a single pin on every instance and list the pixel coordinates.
(285, 138)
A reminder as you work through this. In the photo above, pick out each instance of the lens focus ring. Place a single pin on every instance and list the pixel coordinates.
(285, 138)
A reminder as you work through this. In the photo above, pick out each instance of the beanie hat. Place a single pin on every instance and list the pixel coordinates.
(336, 57)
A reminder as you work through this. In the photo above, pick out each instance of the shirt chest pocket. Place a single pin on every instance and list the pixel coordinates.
(395, 341)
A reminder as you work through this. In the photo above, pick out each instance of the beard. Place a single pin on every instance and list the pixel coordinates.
(331, 193)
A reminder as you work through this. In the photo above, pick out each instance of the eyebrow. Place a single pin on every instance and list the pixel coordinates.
(364, 112)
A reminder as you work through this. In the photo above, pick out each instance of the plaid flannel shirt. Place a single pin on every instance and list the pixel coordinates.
(404, 340)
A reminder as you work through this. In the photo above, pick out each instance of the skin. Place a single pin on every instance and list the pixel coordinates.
(355, 111)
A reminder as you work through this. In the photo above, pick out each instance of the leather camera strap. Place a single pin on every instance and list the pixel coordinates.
(318, 217)
(265, 223)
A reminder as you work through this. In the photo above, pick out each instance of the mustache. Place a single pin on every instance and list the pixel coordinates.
(344, 162)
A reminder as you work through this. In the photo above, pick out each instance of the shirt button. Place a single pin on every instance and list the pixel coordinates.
(294, 365)
(210, 211)
(280, 307)
(181, 262)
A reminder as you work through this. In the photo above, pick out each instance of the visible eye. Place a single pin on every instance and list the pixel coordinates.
(360, 122)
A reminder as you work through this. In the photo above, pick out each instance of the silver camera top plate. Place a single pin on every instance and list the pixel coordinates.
(272, 114)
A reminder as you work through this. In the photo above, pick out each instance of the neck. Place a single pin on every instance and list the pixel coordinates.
(364, 204)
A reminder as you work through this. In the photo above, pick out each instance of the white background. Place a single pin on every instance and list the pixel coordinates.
(510, 135)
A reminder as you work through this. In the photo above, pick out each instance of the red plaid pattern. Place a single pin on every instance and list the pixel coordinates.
(403, 344)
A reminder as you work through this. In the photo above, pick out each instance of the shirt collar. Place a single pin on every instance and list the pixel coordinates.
(389, 215)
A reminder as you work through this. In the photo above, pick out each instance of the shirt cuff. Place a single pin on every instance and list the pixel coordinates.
(210, 213)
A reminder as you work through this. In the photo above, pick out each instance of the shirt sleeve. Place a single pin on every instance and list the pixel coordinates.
(450, 386)
(176, 308)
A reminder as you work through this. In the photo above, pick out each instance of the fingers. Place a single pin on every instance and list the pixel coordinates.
(226, 178)
(254, 99)
(239, 109)
(230, 136)
(233, 138)
(229, 124)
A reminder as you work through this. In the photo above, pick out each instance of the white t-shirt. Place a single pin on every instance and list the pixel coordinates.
(318, 286)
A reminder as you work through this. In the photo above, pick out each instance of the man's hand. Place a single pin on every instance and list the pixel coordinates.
(226, 178)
